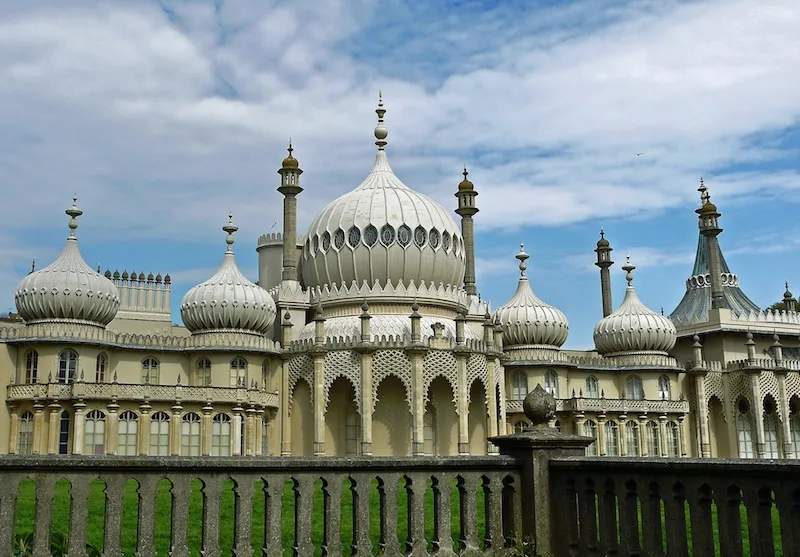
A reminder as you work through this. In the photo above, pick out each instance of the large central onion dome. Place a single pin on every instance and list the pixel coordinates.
(528, 321)
(228, 301)
(68, 289)
(383, 231)
(634, 327)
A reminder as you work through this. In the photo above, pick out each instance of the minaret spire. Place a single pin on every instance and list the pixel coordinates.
(708, 218)
(290, 172)
(604, 262)
(466, 195)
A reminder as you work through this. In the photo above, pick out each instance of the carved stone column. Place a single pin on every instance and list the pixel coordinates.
(38, 428)
(144, 430)
(286, 424)
(491, 407)
(662, 433)
(112, 427)
(54, 427)
(251, 428)
(318, 355)
(416, 355)
(175, 430)
(237, 430)
(13, 435)
(623, 435)
(601, 434)
(643, 436)
(757, 410)
(461, 401)
(783, 408)
(682, 435)
(79, 426)
(366, 349)
(206, 429)
(701, 407)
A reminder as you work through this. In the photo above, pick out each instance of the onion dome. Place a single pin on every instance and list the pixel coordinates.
(383, 231)
(526, 320)
(290, 162)
(68, 289)
(227, 301)
(602, 242)
(465, 184)
(634, 327)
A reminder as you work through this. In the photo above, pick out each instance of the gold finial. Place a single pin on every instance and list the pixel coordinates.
(465, 184)
(290, 163)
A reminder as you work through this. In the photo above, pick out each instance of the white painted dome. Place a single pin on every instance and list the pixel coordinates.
(67, 289)
(383, 231)
(526, 320)
(228, 301)
(634, 327)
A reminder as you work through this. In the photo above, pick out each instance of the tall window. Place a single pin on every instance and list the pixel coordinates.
(31, 366)
(63, 433)
(520, 426)
(238, 372)
(632, 438)
(150, 371)
(673, 440)
(519, 386)
(744, 430)
(794, 427)
(592, 390)
(159, 434)
(204, 371)
(664, 392)
(67, 365)
(190, 435)
(429, 433)
(100, 369)
(551, 383)
(353, 433)
(771, 430)
(128, 434)
(221, 435)
(265, 436)
(653, 439)
(635, 390)
(590, 430)
(25, 440)
(94, 436)
(612, 438)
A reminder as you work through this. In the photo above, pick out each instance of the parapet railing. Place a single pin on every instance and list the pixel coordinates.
(354, 505)
(658, 507)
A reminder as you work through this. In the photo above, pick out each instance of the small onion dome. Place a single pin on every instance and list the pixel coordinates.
(68, 289)
(228, 300)
(602, 242)
(634, 327)
(526, 320)
(787, 295)
(290, 162)
(465, 184)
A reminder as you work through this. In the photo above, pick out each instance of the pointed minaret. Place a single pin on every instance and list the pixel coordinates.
(708, 222)
(789, 303)
(290, 172)
(466, 210)
(604, 261)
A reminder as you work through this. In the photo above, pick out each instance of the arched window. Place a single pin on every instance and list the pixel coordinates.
(673, 442)
(100, 369)
(664, 391)
(128, 434)
(592, 390)
(67, 366)
(238, 372)
(632, 438)
(150, 371)
(590, 430)
(744, 430)
(519, 386)
(94, 437)
(63, 433)
(635, 390)
(204, 371)
(612, 438)
(190, 435)
(520, 426)
(25, 439)
(551, 383)
(352, 433)
(771, 430)
(159, 434)
(653, 439)
(221, 435)
(31, 366)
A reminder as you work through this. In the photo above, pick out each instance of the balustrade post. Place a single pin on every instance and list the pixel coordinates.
(387, 493)
(43, 517)
(534, 448)
(78, 513)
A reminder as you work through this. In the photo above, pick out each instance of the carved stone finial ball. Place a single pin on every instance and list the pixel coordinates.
(539, 406)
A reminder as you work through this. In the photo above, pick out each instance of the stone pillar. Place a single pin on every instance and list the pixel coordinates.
(259, 434)
(783, 408)
(236, 433)
(251, 428)
(491, 407)
(54, 427)
(286, 424)
(38, 428)
(144, 428)
(318, 355)
(417, 358)
(175, 430)
(682, 435)
(13, 435)
(112, 427)
(462, 403)
(757, 411)
(290, 172)
(206, 429)
(623, 435)
(79, 427)
(701, 406)
(365, 350)
(662, 433)
(536, 447)
(601, 434)
(466, 195)
(643, 439)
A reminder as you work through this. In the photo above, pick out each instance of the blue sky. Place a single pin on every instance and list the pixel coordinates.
(163, 116)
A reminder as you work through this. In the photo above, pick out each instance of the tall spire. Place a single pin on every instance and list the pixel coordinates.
(466, 195)
(290, 187)
(380, 130)
(604, 262)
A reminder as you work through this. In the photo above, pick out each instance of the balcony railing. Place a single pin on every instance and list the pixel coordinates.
(616, 405)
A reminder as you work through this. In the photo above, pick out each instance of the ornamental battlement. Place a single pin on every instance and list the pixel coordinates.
(769, 316)
(276, 239)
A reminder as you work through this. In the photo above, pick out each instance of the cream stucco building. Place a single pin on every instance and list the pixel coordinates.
(368, 335)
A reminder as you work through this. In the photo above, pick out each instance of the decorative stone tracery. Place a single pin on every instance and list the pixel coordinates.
(342, 363)
(391, 362)
(439, 363)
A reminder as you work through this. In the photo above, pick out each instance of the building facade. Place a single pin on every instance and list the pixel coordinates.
(368, 336)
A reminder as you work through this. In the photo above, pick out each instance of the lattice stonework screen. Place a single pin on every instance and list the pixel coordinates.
(440, 363)
(343, 363)
(390, 362)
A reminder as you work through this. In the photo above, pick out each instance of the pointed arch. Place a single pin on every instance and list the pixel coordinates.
(441, 424)
(391, 425)
(301, 414)
(477, 417)
(342, 419)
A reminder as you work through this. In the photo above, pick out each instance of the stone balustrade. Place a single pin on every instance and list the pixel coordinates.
(444, 499)
(616, 405)
(675, 507)
(138, 392)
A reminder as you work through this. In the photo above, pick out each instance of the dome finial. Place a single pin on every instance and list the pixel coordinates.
(465, 184)
(628, 268)
(380, 130)
(73, 212)
(522, 256)
(704, 196)
(33, 266)
(230, 228)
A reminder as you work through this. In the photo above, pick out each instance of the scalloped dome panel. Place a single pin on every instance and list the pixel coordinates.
(67, 290)
(383, 231)
(634, 328)
(228, 301)
(527, 320)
